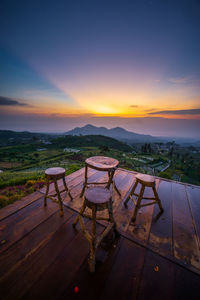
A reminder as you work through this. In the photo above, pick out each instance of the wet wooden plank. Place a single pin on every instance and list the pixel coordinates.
(20, 281)
(193, 194)
(186, 284)
(140, 229)
(61, 271)
(23, 221)
(161, 227)
(91, 285)
(124, 278)
(12, 208)
(157, 279)
(185, 239)
(121, 214)
(36, 239)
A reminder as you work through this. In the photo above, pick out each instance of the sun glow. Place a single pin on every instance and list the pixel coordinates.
(104, 110)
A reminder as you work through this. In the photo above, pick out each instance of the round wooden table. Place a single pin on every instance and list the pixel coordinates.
(101, 163)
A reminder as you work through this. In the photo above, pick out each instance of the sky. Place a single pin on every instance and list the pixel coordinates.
(134, 64)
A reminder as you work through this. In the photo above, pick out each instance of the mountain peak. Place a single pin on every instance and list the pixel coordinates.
(117, 133)
(89, 126)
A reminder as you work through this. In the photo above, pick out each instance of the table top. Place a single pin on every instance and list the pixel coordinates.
(102, 162)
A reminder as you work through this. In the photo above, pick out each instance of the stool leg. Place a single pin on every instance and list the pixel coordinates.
(46, 194)
(66, 188)
(110, 178)
(80, 214)
(131, 193)
(93, 241)
(110, 212)
(138, 203)
(85, 183)
(111, 217)
(59, 198)
(157, 199)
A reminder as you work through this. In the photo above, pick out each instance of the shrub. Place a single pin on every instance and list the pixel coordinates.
(30, 183)
(3, 201)
(164, 175)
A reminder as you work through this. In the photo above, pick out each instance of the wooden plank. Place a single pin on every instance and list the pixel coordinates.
(185, 239)
(23, 221)
(157, 278)
(140, 229)
(36, 239)
(193, 194)
(12, 208)
(122, 214)
(161, 227)
(186, 284)
(22, 278)
(90, 285)
(124, 278)
(60, 272)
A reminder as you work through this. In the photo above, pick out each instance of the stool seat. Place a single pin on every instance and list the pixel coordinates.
(56, 172)
(98, 195)
(148, 180)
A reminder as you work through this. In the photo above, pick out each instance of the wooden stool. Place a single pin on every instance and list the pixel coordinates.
(145, 181)
(96, 198)
(54, 174)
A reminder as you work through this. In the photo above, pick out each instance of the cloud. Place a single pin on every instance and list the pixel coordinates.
(195, 111)
(10, 102)
(133, 106)
(180, 80)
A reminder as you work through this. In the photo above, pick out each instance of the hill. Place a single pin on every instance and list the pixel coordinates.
(9, 137)
(116, 133)
(89, 141)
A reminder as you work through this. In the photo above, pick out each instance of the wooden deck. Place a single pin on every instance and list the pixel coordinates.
(158, 257)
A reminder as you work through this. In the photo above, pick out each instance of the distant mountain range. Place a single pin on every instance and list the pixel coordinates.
(116, 133)
(9, 137)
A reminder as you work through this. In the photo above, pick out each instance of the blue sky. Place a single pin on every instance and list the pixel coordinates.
(83, 61)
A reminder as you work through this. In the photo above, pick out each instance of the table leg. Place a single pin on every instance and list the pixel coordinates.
(85, 183)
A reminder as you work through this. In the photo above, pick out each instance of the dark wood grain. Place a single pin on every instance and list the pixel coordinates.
(123, 280)
(16, 226)
(157, 280)
(161, 227)
(62, 270)
(140, 229)
(21, 279)
(43, 256)
(14, 207)
(36, 239)
(91, 285)
(193, 194)
(185, 239)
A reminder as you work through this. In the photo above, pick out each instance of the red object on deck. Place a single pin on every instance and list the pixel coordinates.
(76, 289)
